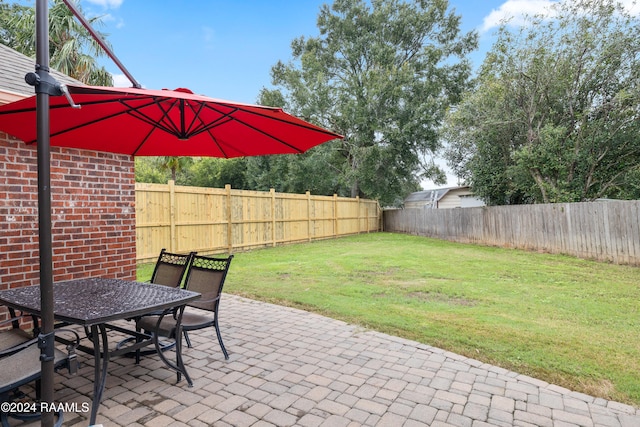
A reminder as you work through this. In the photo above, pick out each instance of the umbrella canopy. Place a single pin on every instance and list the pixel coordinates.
(144, 122)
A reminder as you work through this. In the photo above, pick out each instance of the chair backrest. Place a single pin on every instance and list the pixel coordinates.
(170, 268)
(207, 275)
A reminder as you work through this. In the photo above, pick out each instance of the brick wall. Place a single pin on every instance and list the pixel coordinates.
(93, 214)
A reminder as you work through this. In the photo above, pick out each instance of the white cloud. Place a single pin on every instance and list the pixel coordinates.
(118, 22)
(120, 80)
(515, 10)
(107, 4)
(632, 6)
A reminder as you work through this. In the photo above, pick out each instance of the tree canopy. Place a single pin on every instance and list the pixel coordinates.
(554, 113)
(382, 73)
(72, 49)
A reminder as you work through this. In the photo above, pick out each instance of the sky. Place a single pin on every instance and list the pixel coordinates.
(225, 48)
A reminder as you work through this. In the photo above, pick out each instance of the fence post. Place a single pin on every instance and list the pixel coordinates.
(335, 214)
(273, 215)
(227, 188)
(358, 207)
(172, 216)
(308, 193)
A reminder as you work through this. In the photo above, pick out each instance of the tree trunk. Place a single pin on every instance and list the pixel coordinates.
(535, 173)
(355, 190)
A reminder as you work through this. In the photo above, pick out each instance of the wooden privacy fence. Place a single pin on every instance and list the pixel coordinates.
(602, 230)
(212, 220)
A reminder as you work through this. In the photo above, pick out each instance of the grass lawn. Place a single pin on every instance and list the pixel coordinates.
(564, 320)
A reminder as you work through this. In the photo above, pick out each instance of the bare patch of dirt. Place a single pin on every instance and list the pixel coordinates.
(440, 297)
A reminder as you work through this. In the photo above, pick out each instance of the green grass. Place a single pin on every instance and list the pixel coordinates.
(564, 320)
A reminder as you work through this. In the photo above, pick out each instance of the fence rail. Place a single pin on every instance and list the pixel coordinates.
(603, 230)
(211, 220)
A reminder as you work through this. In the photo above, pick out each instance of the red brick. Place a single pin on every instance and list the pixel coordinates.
(93, 195)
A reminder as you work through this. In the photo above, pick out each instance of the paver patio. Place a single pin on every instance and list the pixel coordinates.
(288, 367)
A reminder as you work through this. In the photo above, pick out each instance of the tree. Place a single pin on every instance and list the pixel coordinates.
(7, 11)
(72, 49)
(147, 170)
(174, 164)
(312, 171)
(554, 114)
(382, 73)
(162, 169)
(216, 173)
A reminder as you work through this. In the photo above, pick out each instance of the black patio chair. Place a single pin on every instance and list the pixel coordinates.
(206, 275)
(21, 365)
(15, 336)
(168, 271)
(170, 268)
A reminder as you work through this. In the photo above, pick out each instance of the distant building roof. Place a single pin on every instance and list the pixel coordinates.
(430, 195)
(13, 67)
(442, 198)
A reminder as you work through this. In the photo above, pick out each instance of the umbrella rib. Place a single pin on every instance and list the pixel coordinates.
(215, 140)
(207, 128)
(168, 124)
(165, 125)
(144, 140)
(230, 118)
(304, 125)
(192, 128)
(83, 124)
(158, 124)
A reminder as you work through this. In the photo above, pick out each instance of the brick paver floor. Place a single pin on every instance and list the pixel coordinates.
(288, 367)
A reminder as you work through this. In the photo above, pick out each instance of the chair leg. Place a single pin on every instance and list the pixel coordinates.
(179, 362)
(138, 353)
(186, 338)
(224, 350)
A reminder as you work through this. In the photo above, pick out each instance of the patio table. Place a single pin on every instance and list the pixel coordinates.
(92, 303)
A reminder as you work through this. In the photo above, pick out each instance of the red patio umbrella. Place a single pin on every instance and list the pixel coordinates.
(144, 122)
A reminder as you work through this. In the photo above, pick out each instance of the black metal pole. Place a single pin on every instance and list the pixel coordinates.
(44, 210)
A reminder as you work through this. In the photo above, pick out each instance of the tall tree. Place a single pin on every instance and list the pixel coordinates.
(73, 50)
(382, 73)
(554, 115)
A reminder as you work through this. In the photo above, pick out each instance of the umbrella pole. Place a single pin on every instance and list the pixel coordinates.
(46, 338)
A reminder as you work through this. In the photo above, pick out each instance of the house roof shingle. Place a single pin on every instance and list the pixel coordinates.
(14, 66)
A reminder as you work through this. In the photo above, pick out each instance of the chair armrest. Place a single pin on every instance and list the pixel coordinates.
(16, 348)
(72, 346)
(13, 318)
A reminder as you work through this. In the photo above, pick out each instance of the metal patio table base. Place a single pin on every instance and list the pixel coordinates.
(99, 337)
(93, 303)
